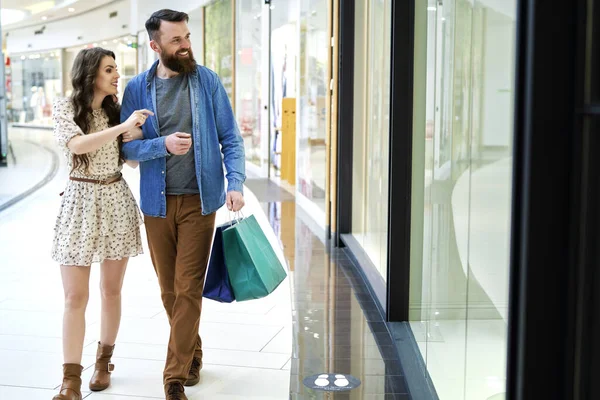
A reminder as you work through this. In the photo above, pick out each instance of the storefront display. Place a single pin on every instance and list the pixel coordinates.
(218, 42)
(33, 82)
(463, 146)
(312, 105)
(248, 76)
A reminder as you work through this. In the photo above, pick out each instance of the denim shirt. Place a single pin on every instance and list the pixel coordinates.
(213, 125)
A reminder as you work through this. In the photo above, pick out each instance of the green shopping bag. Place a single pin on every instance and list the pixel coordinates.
(254, 269)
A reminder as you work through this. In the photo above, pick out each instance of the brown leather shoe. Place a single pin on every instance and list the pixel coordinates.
(194, 374)
(175, 391)
(71, 386)
(101, 378)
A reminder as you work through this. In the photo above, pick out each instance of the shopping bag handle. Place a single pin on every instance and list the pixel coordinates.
(236, 217)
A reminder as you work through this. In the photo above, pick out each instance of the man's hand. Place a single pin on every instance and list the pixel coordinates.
(235, 201)
(178, 143)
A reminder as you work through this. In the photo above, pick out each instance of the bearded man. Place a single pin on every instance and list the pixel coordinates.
(182, 181)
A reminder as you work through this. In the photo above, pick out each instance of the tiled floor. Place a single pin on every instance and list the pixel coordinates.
(320, 320)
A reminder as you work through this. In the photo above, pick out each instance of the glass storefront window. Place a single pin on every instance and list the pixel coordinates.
(248, 75)
(462, 158)
(312, 104)
(284, 61)
(371, 129)
(218, 51)
(33, 82)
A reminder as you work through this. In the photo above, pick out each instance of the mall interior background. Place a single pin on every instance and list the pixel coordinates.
(462, 137)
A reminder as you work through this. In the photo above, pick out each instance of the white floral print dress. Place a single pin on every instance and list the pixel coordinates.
(95, 222)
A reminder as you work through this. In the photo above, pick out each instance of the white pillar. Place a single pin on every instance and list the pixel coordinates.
(134, 15)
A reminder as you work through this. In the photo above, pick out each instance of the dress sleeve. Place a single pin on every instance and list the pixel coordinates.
(65, 127)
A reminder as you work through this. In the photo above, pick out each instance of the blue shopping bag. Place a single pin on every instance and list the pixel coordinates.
(217, 285)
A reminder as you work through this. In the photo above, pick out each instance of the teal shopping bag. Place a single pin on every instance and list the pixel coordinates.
(254, 269)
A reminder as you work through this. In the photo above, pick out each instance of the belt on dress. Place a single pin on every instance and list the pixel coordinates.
(107, 181)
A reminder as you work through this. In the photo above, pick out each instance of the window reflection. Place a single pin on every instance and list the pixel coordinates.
(371, 129)
(464, 56)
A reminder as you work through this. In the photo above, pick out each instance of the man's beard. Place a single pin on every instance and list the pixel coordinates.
(179, 64)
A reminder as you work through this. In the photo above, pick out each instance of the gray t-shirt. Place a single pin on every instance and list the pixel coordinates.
(175, 115)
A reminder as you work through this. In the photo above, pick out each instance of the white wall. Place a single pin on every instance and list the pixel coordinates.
(93, 26)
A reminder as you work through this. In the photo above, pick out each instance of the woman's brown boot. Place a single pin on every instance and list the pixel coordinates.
(101, 378)
(71, 386)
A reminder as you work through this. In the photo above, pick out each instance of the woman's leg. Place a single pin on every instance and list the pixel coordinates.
(76, 282)
(111, 282)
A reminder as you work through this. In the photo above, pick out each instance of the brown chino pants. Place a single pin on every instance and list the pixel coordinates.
(180, 248)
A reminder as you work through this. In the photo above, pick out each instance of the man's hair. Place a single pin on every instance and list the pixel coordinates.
(153, 23)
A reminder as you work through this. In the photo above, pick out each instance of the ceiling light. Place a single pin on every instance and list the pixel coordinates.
(44, 18)
(71, 9)
(105, 42)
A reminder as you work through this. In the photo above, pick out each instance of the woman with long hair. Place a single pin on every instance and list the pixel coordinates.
(99, 220)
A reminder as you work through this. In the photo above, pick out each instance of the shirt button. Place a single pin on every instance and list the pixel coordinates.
(163, 172)
(162, 192)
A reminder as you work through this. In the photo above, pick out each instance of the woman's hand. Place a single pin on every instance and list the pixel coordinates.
(137, 118)
(133, 134)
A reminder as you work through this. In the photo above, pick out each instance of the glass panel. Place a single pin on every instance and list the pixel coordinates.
(371, 131)
(33, 82)
(490, 205)
(360, 105)
(196, 27)
(219, 47)
(284, 61)
(247, 75)
(464, 73)
(312, 106)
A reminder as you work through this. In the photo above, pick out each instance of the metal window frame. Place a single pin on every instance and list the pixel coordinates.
(400, 163)
(554, 318)
(345, 131)
(395, 294)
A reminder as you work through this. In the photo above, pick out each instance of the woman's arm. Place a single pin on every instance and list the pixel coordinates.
(87, 143)
(83, 144)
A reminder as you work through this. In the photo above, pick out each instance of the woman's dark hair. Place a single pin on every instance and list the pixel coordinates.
(153, 23)
(83, 77)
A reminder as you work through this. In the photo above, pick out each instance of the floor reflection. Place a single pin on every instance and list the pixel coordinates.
(337, 327)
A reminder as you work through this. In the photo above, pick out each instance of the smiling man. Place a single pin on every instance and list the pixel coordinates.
(182, 183)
